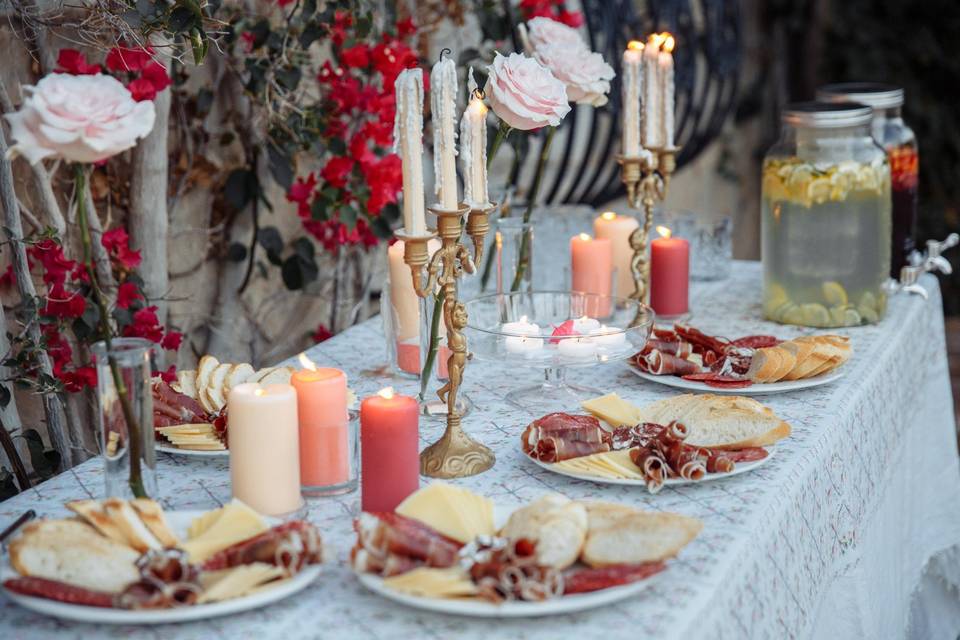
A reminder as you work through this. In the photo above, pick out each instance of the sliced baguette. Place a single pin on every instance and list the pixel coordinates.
(633, 538)
(280, 375)
(73, 552)
(802, 352)
(152, 515)
(765, 364)
(260, 374)
(213, 393)
(788, 359)
(204, 370)
(238, 374)
(137, 533)
(187, 383)
(93, 514)
(556, 524)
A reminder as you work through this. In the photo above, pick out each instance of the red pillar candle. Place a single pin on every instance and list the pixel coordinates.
(591, 268)
(669, 274)
(322, 412)
(389, 460)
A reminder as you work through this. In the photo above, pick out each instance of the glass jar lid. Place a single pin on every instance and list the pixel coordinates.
(872, 94)
(826, 115)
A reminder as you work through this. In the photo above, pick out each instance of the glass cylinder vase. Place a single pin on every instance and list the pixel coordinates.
(125, 417)
(514, 260)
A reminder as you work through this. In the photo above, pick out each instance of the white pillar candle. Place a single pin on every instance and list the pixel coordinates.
(577, 347)
(584, 325)
(473, 149)
(443, 106)
(265, 447)
(403, 299)
(652, 129)
(408, 142)
(608, 336)
(632, 89)
(618, 229)
(665, 65)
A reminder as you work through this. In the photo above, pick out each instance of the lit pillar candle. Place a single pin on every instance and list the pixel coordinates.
(591, 267)
(264, 447)
(652, 128)
(473, 149)
(665, 74)
(322, 414)
(408, 142)
(632, 89)
(618, 230)
(669, 274)
(406, 307)
(443, 107)
(389, 462)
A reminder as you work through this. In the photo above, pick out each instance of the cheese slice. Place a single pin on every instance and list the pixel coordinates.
(238, 581)
(433, 583)
(609, 464)
(202, 523)
(613, 410)
(186, 429)
(454, 512)
(237, 522)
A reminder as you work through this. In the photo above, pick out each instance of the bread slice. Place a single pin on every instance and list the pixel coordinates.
(765, 364)
(151, 513)
(73, 552)
(555, 523)
(137, 533)
(212, 396)
(604, 514)
(802, 352)
(723, 422)
(204, 370)
(187, 383)
(93, 514)
(788, 359)
(260, 374)
(238, 374)
(641, 536)
(280, 375)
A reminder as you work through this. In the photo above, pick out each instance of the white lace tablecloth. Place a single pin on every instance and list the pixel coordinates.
(830, 539)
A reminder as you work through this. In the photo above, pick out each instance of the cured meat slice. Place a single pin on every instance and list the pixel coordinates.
(290, 545)
(59, 591)
(382, 533)
(713, 379)
(756, 342)
(750, 454)
(659, 363)
(561, 436)
(171, 407)
(586, 580)
(676, 347)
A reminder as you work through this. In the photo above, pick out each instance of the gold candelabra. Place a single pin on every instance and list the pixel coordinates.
(647, 178)
(455, 454)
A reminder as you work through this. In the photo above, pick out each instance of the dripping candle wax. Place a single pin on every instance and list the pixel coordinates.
(665, 77)
(324, 435)
(632, 89)
(389, 463)
(443, 104)
(408, 142)
(669, 274)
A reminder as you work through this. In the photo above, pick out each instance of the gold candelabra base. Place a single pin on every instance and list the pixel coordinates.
(647, 178)
(456, 454)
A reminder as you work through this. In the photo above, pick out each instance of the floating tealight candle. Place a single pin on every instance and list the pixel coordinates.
(608, 336)
(577, 347)
(584, 325)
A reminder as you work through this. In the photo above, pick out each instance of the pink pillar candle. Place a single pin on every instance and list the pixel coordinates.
(324, 436)
(669, 274)
(591, 266)
(389, 460)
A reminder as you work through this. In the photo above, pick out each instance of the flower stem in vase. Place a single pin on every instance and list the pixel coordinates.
(133, 426)
(524, 256)
(502, 132)
(434, 343)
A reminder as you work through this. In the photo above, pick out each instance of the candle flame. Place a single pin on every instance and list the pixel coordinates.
(386, 393)
(260, 391)
(523, 319)
(479, 94)
(668, 42)
(635, 45)
(306, 362)
(585, 237)
(608, 215)
(664, 231)
(655, 40)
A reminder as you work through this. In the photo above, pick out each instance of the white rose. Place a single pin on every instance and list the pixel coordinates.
(524, 94)
(585, 73)
(84, 118)
(544, 31)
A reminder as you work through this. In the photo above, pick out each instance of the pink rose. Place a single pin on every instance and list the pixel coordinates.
(585, 73)
(78, 118)
(524, 94)
(545, 31)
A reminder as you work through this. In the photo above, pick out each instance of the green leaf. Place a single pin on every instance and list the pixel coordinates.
(390, 212)
(292, 273)
(318, 210)
(123, 317)
(381, 228)
(236, 252)
(288, 77)
(180, 20)
(363, 25)
(281, 166)
(43, 463)
(8, 488)
(272, 242)
(240, 188)
(304, 248)
(348, 216)
(4, 398)
(311, 33)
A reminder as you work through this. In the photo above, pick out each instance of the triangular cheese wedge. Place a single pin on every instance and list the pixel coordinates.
(613, 410)
(454, 512)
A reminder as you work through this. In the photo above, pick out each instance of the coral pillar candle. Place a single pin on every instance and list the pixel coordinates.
(669, 274)
(322, 414)
(618, 230)
(389, 462)
(264, 447)
(632, 88)
(408, 142)
(591, 266)
(405, 307)
(665, 75)
(443, 105)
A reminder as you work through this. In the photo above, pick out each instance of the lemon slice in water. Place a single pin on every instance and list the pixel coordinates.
(834, 294)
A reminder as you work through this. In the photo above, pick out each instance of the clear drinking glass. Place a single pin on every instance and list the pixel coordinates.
(514, 236)
(126, 420)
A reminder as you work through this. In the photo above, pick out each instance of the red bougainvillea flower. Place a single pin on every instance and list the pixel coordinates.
(571, 18)
(145, 325)
(357, 56)
(157, 75)
(342, 20)
(563, 329)
(72, 61)
(302, 189)
(127, 294)
(142, 89)
(55, 264)
(78, 379)
(322, 333)
(128, 59)
(64, 304)
(406, 28)
(336, 171)
(248, 39)
(171, 341)
(385, 178)
(117, 243)
(6, 280)
(170, 375)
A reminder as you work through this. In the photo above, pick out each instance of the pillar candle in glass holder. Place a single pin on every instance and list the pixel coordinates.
(591, 268)
(669, 274)
(652, 127)
(665, 75)
(322, 414)
(618, 229)
(406, 307)
(473, 148)
(389, 460)
(443, 107)
(632, 89)
(264, 447)
(408, 142)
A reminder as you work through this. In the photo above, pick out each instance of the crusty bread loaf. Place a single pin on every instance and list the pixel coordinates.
(152, 515)
(627, 536)
(555, 523)
(725, 422)
(73, 552)
(803, 357)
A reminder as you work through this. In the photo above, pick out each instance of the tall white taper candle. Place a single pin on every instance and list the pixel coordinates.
(408, 141)
(473, 149)
(652, 128)
(665, 63)
(632, 89)
(443, 104)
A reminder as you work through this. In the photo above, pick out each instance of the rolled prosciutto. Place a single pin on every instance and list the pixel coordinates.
(561, 436)
(665, 364)
(171, 407)
(384, 534)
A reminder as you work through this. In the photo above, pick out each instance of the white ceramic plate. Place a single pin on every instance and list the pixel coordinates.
(481, 609)
(741, 467)
(193, 453)
(756, 389)
(179, 521)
